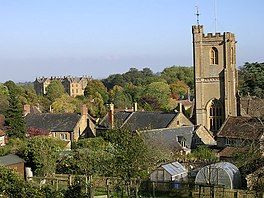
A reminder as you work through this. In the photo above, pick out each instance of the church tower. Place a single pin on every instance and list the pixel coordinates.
(215, 76)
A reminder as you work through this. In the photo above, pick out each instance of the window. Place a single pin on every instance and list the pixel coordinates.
(63, 136)
(214, 56)
(76, 90)
(181, 140)
(72, 90)
(216, 115)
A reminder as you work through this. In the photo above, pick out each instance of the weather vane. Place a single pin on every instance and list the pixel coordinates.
(197, 14)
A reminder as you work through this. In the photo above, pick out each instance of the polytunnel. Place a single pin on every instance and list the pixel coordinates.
(222, 174)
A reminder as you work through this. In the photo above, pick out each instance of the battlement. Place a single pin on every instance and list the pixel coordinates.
(211, 35)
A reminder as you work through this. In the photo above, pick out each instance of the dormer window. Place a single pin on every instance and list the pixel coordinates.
(214, 56)
(181, 140)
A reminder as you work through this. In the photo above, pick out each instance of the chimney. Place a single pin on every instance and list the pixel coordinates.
(26, 109)
(180, 107)
(84, 110)
(135, 106)
(111, 115)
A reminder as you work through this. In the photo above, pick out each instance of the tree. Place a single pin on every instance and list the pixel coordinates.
(14, 118)
(175, 73)
(132, 156)
(251, 79)
(55, 90)
(63, 104)
(42, 153)
(179, 89)
(159, 91)
(96, 86)
(89, 157)
(119, 97)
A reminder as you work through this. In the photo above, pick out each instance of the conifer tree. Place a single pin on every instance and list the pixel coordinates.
(14, 117)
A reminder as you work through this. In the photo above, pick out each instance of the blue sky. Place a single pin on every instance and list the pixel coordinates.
(102, 37)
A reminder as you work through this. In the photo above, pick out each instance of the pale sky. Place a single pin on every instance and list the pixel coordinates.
(102, 37)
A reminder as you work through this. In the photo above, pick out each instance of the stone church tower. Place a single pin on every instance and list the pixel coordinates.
(215, 77)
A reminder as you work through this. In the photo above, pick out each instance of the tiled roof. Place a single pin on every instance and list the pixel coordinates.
(241, 127)
(169, 137)
(53, 122)
(230, 151)
(252, 106)
(10, 159)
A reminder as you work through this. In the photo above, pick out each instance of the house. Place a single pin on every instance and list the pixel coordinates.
(74, 86)
(169, 172)
(142, 120)
(238, 132)
(13, 162)
(65, 126)
(179, 139)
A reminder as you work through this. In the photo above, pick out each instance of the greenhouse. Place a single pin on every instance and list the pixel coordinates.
(221, 174)
(169, 172)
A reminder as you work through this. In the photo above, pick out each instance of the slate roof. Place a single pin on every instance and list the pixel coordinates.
(53, 122)
(141, 120)
(119, 117)
(168, 137)
(241, 127)
(10, 159)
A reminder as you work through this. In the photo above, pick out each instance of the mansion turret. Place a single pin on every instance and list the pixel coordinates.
(215, 76)
(74, 86)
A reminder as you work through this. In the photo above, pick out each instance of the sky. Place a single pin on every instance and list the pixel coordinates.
(102, 37)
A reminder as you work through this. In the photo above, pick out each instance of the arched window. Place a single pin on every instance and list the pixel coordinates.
(214, 56)
(215, 115)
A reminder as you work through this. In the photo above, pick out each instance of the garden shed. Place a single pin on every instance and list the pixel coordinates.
(221, 174)
(169, 172)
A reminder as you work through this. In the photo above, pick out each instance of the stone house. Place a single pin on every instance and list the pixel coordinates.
(74, 86)
(142, 120)
(180, 139)
(238, 132)
(65, 126)
(13, 162)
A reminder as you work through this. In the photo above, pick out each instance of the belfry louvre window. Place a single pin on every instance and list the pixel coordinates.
(214, 56)
(215, 116)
